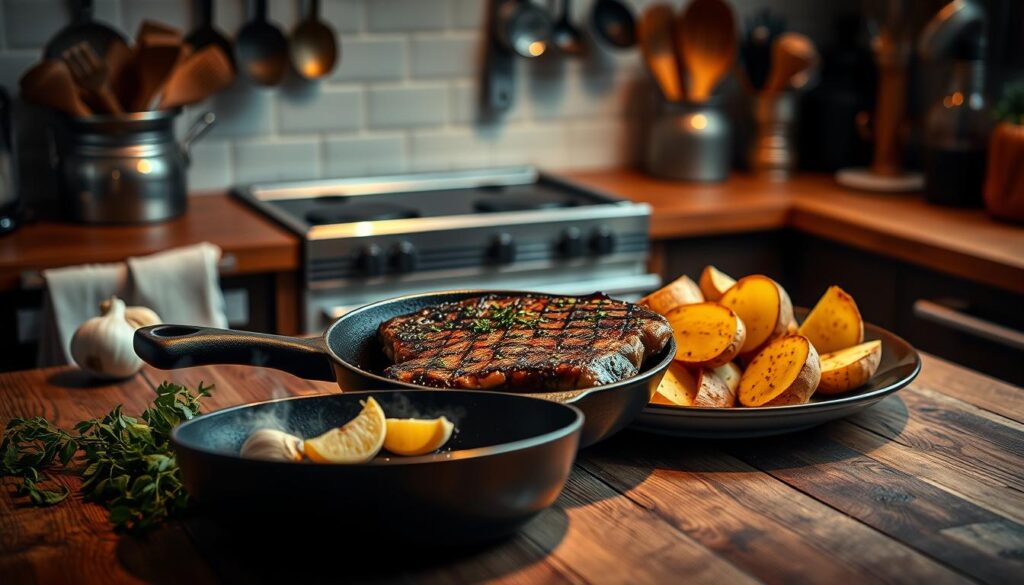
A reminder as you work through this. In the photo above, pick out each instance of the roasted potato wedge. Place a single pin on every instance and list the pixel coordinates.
(714, 283)
(730, 373)
(764, 307)
(683, 386)
(834, 323)
(679, 292)
(849, 368)
(707, 335)
(786, 371)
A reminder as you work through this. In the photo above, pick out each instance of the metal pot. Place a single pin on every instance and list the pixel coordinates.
(690, 142)
(127, 168)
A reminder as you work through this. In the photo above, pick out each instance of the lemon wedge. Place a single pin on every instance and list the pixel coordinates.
(412, 436)
(358, 441)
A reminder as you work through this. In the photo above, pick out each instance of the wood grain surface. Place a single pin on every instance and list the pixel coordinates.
(257, 244)
(924, 487)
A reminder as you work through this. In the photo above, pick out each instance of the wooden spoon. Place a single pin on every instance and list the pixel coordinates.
(795, 60)
(706, 42)
(50, 84)
(201, 75)
(658, 50)
(155, 61)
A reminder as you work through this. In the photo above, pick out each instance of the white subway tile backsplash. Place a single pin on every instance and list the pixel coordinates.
(404, 96)
(407, 107)
(468, 13)
(276, 160)
(242, 110)
(406, 15)
(436, 57)
(348, 157)
(544, 146)
(600, 143)
(176, 14)
(346, 16)
(325, 110)
(446, 150)
(371, 60)
(210, 168)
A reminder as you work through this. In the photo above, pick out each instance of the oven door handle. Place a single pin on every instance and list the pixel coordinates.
(969, 324)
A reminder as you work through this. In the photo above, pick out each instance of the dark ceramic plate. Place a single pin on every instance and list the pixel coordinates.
(899, 366)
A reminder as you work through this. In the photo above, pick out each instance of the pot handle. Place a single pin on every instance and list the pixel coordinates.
(201, 126)
(170, 347)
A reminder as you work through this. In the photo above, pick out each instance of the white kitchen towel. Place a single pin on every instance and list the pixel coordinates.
(181, 285)
(71, 296)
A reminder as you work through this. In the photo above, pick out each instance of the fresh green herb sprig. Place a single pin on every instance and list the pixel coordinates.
(1011, 107)
(126, 465)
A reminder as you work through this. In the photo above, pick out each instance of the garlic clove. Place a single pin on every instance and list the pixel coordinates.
(103, 346)
(272, 444)
(136, 316)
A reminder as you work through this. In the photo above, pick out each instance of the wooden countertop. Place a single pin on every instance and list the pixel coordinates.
(964, 243)
(251, 242)
(924, 487)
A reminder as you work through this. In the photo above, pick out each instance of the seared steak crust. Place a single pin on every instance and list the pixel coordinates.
(524, 343)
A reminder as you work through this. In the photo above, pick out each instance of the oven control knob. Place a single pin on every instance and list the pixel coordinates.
(502, 249)
(403, 257)
(371, 260)
(571, 244)
(602, 241)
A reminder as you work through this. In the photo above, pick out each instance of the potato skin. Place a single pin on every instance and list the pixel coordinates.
(681, 291)
(677, 319)
(852, 375)
(730, 373)
(713, 392)
(805, 382)
(683, 386)
(707, 283)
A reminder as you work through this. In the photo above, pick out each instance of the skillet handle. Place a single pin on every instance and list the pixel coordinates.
(171, 347)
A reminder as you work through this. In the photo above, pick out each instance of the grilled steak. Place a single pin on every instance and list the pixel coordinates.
(533, 342)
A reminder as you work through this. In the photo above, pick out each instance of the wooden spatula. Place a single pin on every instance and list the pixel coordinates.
(201, 75)
(656, 43)
(50, 84)
(795, 60)
(706, 42)
(154, 62)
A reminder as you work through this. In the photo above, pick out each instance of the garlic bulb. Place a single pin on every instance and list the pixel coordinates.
(272, 444)
(136, 316)
(103, 345)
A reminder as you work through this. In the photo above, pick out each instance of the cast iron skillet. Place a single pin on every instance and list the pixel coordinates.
(350, 353)
(508, 460)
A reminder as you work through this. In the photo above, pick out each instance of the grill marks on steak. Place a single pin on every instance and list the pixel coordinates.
(532, 342)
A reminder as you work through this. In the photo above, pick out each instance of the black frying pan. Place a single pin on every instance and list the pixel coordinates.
(507, 460)
(350, 353)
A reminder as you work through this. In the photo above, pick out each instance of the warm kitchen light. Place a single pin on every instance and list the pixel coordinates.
(699, 122)
(953, 100)
(536, 48)
(144, 166)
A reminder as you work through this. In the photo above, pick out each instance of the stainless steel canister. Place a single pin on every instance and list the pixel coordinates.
(127, 168)
(773, 150)
(690, 142)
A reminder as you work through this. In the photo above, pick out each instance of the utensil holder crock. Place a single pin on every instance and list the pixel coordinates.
(772, 152)
(690, 142)
(124, 169)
